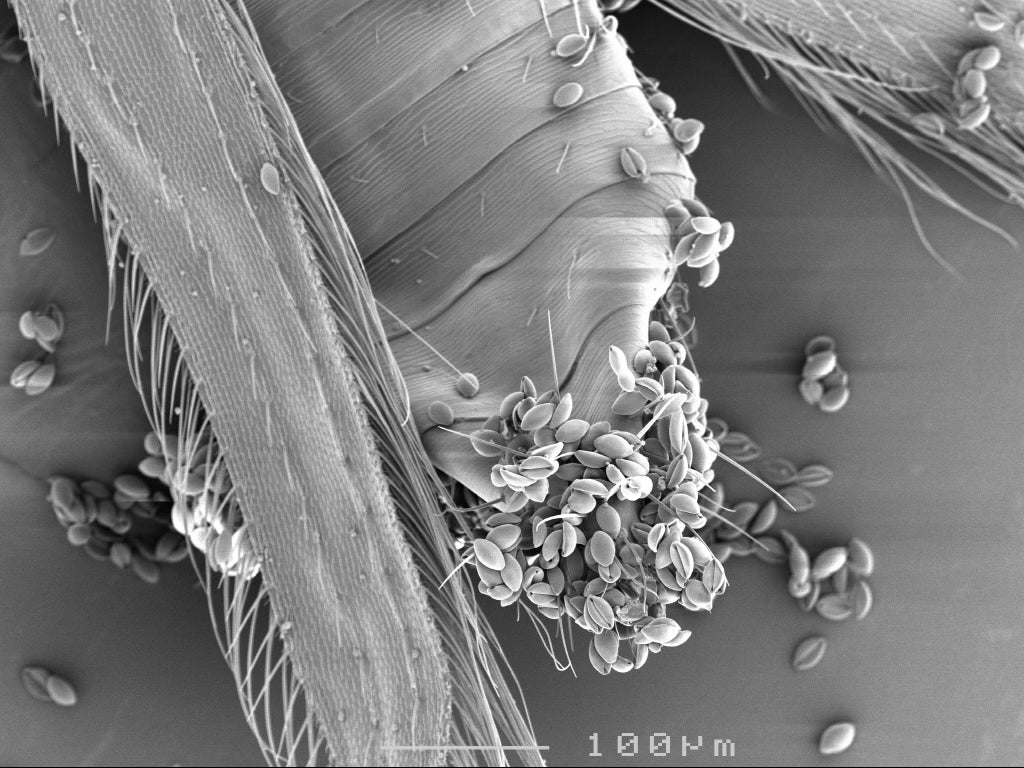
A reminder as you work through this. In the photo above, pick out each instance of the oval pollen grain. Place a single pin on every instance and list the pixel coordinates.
(809, 652)
(270, 178)
(570, 45)
(40, 379)
(602, 548)
(860, 558)
(837, 738)
(36, 241)
(538, 416)
(33, 679)
(61, 691)
(22, 372)
(862, 599)
(706, 225)
(571, 431)
(828, 562)
(467, 385)
(441, 413)
(820, 343)
(633, 164)
(567, 95)
(488, 554)
(819, 364)
(27, 325)
(987, 58)
(662, 103)
(132, 486)
(834, 399)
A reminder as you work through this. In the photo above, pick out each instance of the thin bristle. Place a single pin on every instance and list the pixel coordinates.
(554, 362)
(755, 478)
(422, 340)
(485, 442)
(733, 525)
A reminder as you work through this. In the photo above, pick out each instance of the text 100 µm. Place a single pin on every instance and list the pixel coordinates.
(659, 745)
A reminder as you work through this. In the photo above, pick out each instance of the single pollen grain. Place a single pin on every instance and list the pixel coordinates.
(441, 413)
(467, 385)
(813, 476)
(862, 599)
(770, 550)
(974, 83)
(571, 431)
(152, 444)
(704, 251)
(988, 57)
(26, 325)
(40, 379)
(828, 562)
(988, 22)
(834, 399)
(270, 178)
(709, 273)
(538, 416)
(706, 225)
(819, 365)
(132, 486)
(602, 548)
(799, 498)
(662, 103)
(860, 558)
(633, 164)
(975, 118)
(819, 344)
(153, 466)
(837, 738)
(765, 518)
(36, 241)
(61, 691)
(834, 607)
(22, 372)
(147, 571)
(686, 130)
(570, 45)
(726, 235)
(488, 554)
(567, 95)
(33, 679)
(808, 653)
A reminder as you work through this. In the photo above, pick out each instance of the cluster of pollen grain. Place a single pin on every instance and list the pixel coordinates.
(823, 381)
(970, 86)
(45, 326)
(833, 583)
(599, 525)
(127, 524)
(204, 507)
(971, 106)
(685, 132)
(43, 685)
(137, 526)
(697, 239)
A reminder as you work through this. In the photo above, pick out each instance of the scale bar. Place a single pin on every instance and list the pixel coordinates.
(450, 748)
